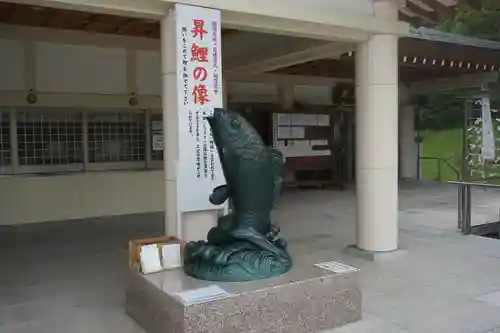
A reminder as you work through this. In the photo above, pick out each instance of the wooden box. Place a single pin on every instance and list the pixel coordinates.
(134, 249)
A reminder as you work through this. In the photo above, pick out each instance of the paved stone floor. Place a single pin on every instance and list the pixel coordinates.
(69, 277)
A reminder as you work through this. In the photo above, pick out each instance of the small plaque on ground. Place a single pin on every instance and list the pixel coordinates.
(203, 294)
(336, 267)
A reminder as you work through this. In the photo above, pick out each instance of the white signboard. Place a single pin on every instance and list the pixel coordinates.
(488, 140)
(157, 135)
(157, 142)
(199, 73)
(157, 126)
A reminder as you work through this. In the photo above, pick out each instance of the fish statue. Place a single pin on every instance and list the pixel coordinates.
(244, 245)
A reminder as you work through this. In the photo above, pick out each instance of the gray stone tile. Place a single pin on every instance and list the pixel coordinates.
(37, 327)
(467, 317)
(35, 311)
(84, 322)
(11, 296)
(69, 276)
(114, 320)
(491, 298)
(369, 324)
(410, 307)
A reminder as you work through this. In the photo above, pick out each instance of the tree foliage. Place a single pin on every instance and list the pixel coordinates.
(439, 111)
(445, 110)
(482, 23)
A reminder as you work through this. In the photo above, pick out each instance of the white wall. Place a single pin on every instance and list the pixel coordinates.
(50, 67)
(70, 65)
(65, 65)
(147, 72)
(361, 7)
(72, 68)
(253, 92)
(27, 199)
(12, 65)
(80, 69)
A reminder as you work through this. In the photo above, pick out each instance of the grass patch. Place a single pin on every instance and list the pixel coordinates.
(445, 144)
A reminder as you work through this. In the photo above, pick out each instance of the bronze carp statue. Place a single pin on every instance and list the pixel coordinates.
(244, 245)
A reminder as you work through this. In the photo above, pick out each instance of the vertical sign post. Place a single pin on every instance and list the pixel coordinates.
(199, 82)
(488, 138)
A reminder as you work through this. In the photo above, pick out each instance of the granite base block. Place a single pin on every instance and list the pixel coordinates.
(306, 299)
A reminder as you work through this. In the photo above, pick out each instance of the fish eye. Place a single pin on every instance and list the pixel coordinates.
(235, 122)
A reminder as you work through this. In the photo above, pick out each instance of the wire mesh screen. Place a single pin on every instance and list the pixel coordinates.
(156, 137)
(5, 145)
(49, 137)
(116, 137)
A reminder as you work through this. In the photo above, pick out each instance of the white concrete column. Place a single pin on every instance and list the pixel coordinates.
(408, 148)
(170, 121)
(286, 94)
(377, 139)
(190, 226)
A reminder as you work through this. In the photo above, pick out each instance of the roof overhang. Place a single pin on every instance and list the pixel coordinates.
(276, 17)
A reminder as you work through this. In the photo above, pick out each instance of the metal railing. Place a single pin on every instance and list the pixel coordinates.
(465, 209)
(440, 162)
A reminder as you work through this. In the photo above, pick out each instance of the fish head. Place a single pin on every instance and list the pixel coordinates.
(231, 131)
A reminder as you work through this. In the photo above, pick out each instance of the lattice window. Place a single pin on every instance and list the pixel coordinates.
(49, 137)
(5, 144)
(116, 137)
(157, 137)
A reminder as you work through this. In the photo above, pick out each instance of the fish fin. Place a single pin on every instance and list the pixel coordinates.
(252, 236)
(219, 195)
(277, 169)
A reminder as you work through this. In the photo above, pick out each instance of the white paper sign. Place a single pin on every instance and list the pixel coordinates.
(488, 139)
(203, 294)
(157, 126)
(199, 73)
(298, 132)
(171, 256)
(323, 120)
(157, 142)
(284, 132)
(336, 267)
(150, 259)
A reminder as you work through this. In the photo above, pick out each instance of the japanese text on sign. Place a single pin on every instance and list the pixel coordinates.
(199, 75)
(185, 76)
(205, 154)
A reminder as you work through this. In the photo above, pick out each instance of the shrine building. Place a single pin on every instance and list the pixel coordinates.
(90, 91)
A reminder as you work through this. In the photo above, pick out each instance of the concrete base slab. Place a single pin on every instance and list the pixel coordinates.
(373, 255)
(306, 299)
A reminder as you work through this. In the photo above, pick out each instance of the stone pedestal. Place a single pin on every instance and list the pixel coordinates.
(306, 299)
